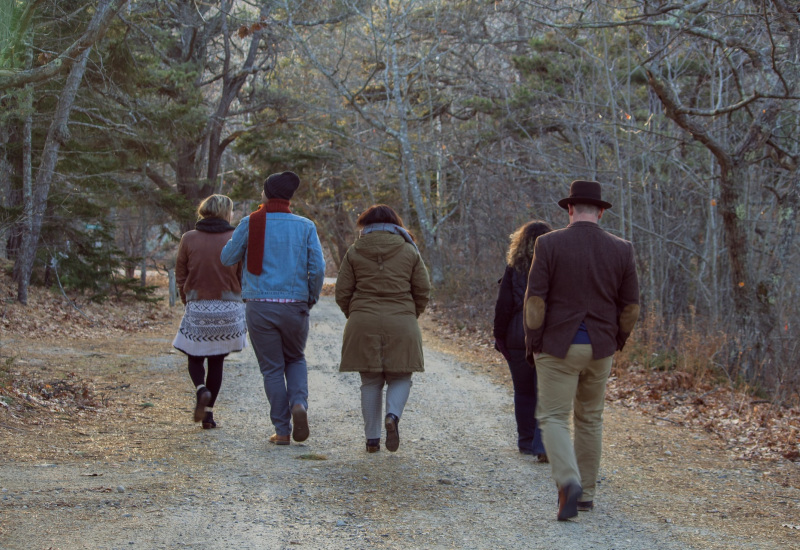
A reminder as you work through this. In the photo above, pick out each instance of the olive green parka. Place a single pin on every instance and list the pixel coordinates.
(382, 288)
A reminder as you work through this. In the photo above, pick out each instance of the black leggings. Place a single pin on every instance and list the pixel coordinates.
(214, 379)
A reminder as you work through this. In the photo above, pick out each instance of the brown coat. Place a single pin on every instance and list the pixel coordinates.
(580, 273)
(382, 288)
(199, 273)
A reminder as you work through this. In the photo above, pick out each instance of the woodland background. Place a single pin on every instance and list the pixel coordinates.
(470, 117)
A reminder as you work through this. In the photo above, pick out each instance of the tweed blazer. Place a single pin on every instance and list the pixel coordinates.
(580, 273)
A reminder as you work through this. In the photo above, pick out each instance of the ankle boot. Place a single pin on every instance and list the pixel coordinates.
(392, 433)
(208, 421)
(203, 399)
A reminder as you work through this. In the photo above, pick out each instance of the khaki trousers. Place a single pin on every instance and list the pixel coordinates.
(575, 380)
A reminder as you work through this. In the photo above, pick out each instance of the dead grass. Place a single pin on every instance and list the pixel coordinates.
(79, 385)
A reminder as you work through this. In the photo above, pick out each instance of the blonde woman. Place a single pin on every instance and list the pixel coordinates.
(213, 323)
(509, 335)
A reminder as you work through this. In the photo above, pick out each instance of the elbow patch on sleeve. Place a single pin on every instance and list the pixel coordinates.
(534, 313)
(628, 317)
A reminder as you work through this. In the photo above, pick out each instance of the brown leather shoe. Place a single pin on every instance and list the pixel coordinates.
(568, 500)
(279, 439)
(585, 506)
(373, 445)
(300, 430)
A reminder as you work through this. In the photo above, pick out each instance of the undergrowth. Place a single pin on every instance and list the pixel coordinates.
(691, 346)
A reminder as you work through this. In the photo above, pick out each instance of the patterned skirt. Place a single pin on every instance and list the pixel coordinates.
(212, 327)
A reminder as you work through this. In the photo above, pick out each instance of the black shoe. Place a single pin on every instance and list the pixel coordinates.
(568, 501)
(392, 434)
(585, 506)
(208, 421)
(542, 457)
(300, 430)
(373, 445)
(203, 399)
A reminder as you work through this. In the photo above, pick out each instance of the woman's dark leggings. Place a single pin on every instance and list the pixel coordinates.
(214, 379)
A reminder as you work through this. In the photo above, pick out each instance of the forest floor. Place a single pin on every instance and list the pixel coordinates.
(98, 450)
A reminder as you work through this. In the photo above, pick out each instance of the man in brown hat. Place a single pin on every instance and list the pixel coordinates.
(581, 304)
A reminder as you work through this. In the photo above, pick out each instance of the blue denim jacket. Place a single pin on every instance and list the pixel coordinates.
(293, 266)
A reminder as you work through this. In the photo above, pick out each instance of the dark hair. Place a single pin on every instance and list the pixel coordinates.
(520, 251)
(379, 213)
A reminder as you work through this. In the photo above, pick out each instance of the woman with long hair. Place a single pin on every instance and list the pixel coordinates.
(509, 335)
(213, 323)
(382, 288)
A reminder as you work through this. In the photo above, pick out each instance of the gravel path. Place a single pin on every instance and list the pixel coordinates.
(457, 480)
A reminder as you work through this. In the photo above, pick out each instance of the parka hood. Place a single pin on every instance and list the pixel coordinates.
(379, 245)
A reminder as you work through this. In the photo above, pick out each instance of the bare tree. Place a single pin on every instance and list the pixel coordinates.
(383, 85)
(726, 74)
(35, 202)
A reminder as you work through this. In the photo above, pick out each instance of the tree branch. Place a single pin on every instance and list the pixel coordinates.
(676, 112)
(93, 33)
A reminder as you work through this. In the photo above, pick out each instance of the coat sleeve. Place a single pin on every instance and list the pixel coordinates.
(182, 268)
(536, 300)
(628, 300)
(316, 267)
(345, 285)
(504, 307)
(234, 249)
(420, 286)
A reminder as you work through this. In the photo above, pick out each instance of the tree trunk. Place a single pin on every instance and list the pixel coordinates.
(143, 246)
(186, 177)
(429, 237)
(56, 136)
(5, 188)
(173, 287)
(25, 252)
(753, 317)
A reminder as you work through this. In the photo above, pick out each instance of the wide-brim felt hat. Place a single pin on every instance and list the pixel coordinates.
(584, 192)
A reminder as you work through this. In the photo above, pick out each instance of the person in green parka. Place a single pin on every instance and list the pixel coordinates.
(382, 288)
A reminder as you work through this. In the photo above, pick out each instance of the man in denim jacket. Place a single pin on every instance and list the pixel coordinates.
(282, 281)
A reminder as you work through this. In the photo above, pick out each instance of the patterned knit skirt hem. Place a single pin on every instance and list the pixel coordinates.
(212, 327)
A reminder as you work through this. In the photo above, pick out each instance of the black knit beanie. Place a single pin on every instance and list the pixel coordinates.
(281, 186)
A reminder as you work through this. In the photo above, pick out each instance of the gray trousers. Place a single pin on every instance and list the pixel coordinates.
(278, 333)
(398, 386)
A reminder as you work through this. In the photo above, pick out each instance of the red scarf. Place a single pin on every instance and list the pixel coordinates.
(257, 230)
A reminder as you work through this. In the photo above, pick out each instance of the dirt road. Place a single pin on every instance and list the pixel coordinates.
(457, 480)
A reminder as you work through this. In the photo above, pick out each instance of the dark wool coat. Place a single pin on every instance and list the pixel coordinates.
(508, 325)
(580, 273)
(382, 288)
